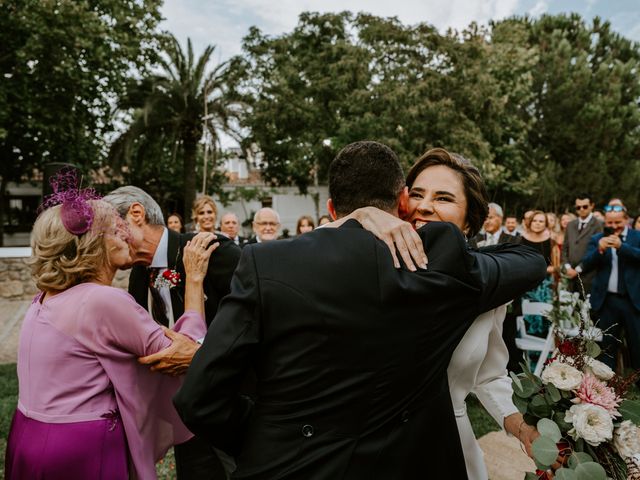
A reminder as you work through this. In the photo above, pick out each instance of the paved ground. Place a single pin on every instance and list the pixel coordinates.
(505, 460)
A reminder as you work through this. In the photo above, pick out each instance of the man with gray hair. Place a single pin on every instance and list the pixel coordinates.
(154, 250)
(493, 233)
(266, 225)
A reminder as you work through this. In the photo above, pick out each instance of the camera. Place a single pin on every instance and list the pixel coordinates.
(608, 231)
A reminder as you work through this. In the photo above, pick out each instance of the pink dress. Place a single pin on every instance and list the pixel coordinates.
(78, 375)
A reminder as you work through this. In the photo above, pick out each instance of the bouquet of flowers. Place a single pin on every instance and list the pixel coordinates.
(587, 420)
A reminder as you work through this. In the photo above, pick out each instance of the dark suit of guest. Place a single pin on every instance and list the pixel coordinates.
(576, 240)
(351, 354)
(480, 240)
(195, 459)
(620, 308)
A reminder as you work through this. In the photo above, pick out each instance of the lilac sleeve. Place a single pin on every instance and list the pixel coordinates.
(119, 331)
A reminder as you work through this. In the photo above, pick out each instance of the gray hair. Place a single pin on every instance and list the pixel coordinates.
(122, 198)
(497, 208)
(266, 209)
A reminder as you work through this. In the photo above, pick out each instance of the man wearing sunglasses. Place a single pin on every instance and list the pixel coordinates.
(614, 256)
(576, 240)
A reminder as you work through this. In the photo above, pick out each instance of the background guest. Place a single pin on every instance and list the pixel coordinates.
(493, 233)
(576, 239)
(175, 223)
(511, 225)
(266, 225)
(204, 214)
(323, 220)
(305, 224)
(636, 223)
(230, 226)
(614, 256)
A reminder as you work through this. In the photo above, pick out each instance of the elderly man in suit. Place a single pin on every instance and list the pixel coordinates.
(493, 233)
(154, 250)
(350, 352)
(576, 239)
(266, 225)
(614, 256)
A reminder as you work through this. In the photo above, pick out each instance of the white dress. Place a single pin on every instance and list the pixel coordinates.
(479, 365)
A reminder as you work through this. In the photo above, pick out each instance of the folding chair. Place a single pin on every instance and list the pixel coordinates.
(531, 343)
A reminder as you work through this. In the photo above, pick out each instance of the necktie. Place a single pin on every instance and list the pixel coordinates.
(580, 226)
(158, 308)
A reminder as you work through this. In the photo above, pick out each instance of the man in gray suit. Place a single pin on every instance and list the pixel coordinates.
(576, 240)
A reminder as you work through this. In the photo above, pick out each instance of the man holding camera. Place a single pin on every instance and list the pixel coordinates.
(614, 255)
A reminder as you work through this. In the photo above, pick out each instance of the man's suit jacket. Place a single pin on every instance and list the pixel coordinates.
(480, 239)
(575, 245)
(216, 285)
(350, 354)
(628, 268)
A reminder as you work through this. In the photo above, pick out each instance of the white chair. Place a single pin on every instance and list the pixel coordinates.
(531, 343)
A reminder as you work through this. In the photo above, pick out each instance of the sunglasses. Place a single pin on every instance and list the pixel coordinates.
(615, 208)
(582, 207)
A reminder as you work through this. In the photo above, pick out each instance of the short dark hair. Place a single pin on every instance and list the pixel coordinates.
(365, 173)
(474, 187)
(584, 196)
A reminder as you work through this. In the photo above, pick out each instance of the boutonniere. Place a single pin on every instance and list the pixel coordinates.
(169, 278)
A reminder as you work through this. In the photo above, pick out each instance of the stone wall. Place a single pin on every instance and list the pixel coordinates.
(16, 282)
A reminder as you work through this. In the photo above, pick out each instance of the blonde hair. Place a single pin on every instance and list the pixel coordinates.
(61, 259)
(200, 202)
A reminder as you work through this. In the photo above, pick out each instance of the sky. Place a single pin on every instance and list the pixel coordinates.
(225, 22)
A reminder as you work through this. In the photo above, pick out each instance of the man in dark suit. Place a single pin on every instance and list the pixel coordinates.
(350, 352)
(614, 257)
(493, 233)
(576, 240)
(230, 226)
(154, 249)
(266, 226)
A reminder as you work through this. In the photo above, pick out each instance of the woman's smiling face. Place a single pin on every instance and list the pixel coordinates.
(437, 195)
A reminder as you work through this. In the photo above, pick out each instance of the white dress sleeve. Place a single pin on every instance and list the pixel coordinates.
(493, 385)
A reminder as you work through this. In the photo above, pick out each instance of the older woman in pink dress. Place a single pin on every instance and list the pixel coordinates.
(86, 407)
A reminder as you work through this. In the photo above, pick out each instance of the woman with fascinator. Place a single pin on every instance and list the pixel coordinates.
(85, 408)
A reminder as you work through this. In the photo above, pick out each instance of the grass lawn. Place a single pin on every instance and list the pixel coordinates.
(480, 419)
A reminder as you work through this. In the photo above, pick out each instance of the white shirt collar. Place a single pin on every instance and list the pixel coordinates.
(160, 258)
(586, 220)
(624, 232)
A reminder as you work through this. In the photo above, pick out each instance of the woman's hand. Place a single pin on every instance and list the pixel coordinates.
(396, 233)
(195, 256)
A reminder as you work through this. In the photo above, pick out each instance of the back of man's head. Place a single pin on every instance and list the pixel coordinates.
(122, 198)
(365, 174)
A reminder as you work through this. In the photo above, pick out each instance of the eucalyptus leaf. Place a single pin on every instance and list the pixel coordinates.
(593, 349)
(566, 474)
(591, 471)
(545, 450)
(516, 380)
(578, 458)
(530, 476)
(558, 417)
(553, 392)
(549, 428)
(630, 410)
(520, 403)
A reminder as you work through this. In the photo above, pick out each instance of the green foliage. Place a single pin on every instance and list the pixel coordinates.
(63, 62)
(630, 410)
(168, 111)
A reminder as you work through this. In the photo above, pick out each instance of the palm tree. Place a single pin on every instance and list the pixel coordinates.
(169, 112)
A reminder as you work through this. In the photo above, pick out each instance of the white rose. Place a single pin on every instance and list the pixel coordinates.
(626, 439)
(591, 422)
(563, 376)
(599, 369)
